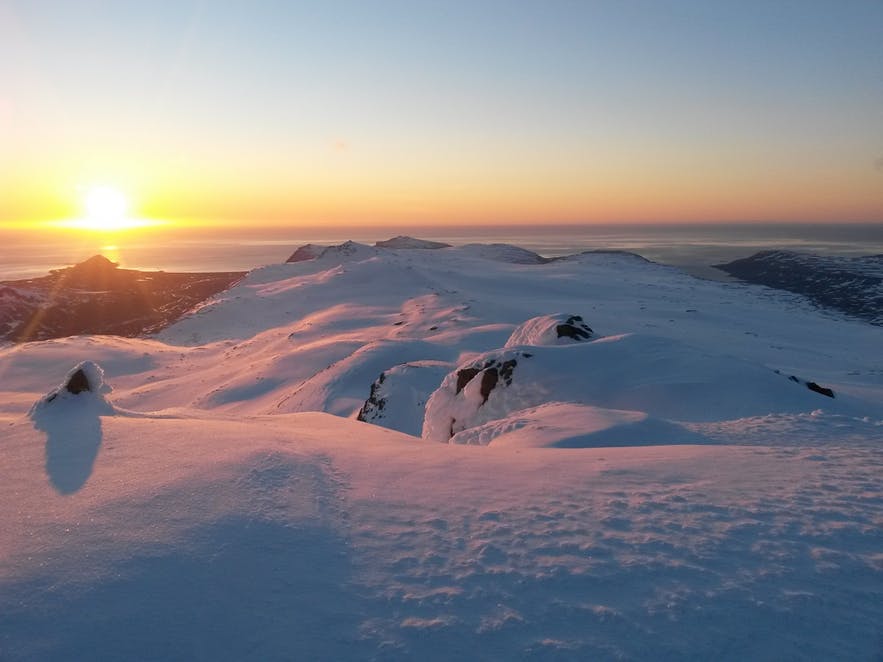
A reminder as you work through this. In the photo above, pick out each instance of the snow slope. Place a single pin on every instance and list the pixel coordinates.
(656, 492)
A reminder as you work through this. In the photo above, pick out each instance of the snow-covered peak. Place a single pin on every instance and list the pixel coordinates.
(348, 250)
(306, 252)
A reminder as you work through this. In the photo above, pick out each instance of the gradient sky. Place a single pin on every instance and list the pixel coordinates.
(451, 111)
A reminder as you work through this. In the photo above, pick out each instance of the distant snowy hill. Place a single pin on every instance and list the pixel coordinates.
(460, 453)
(853, 285)
(403, 241)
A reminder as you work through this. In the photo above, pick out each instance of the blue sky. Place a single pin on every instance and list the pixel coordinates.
(552, 110)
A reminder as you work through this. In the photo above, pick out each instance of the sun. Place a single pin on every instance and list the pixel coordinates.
(105, 209)
(105, 205)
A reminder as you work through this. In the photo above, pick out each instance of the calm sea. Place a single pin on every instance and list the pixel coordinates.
(691, 247)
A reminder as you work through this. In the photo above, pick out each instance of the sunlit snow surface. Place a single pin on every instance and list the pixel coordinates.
(656, 492)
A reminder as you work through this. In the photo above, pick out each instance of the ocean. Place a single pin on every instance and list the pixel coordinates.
(692, 247)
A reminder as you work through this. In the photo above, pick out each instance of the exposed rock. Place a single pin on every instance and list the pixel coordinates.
(574, 328)
(466, 393)
(823, 390)
(489, 379)
(812, 386)
(465, 376)
(78, 382)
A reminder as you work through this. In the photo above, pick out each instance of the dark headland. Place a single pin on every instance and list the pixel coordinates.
(97, 297)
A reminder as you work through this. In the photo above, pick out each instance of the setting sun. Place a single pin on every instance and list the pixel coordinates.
(105, 207)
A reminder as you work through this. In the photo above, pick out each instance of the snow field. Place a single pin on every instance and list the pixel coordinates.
(660, 492)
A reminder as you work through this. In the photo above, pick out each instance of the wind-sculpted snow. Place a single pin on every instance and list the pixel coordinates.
(313, 536)
(569, 425)
(341, 388)
(661, 377)
(665, 491)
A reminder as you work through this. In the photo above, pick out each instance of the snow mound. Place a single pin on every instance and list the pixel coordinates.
(502, 253)
(404, 241)
(557, 329)
(659, 376)
(83, 385)
(340, 388)
(70, 416)
(568, 425)
(398, 396)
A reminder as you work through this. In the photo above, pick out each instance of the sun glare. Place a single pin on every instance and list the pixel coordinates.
(105, 209)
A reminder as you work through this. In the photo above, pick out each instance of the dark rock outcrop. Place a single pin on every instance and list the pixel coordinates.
(78, 382)
(823, 390)
(574, 328)
(491, 372)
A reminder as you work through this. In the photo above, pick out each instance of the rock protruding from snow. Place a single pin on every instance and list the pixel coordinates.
(398, 396)
(404, 241)
(812, 386)
(305, 253)
(557, 329)
(84, 384)
(464, 398)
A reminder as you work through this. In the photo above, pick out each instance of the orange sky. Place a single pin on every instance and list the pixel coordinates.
(560, 114)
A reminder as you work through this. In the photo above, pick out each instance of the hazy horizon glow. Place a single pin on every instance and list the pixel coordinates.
(490, 112)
